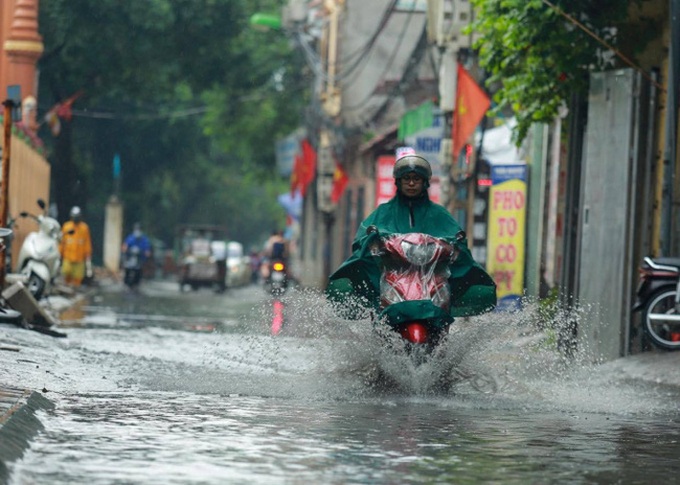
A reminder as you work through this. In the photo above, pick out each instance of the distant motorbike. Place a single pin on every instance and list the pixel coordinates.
(415, 294)
(277, 282)
(132, 266)
(658, 297)
(39, 259)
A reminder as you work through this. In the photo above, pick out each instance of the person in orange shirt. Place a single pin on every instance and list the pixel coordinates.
(75, 248)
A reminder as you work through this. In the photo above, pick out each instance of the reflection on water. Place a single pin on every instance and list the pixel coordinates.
(184, 438)
(153, 397)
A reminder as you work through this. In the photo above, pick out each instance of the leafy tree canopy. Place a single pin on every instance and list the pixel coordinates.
(537, 57)
(189, 96)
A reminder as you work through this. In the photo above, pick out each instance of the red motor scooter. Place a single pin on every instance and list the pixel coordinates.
(415, 294)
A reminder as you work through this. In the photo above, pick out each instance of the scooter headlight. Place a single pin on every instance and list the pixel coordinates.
(278, 266)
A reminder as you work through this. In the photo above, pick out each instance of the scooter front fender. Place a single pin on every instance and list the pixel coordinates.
(39, 268)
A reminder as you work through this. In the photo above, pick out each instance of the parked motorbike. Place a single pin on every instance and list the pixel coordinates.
(658, 297)
(276, 282)
(39, 260)
(132, 266)
(8, 315)
(415, 294)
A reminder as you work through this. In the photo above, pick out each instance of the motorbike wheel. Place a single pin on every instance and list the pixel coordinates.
(36, 286)
(663, 331)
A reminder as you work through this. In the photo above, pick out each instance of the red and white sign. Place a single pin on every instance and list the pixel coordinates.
(385, 188)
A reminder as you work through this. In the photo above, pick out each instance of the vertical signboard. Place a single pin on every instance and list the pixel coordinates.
(385, 188)
(286, 150)
(427, 143)
(507, 225)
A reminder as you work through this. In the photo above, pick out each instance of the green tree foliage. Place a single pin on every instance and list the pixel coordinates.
(536, 57)
(189, 96)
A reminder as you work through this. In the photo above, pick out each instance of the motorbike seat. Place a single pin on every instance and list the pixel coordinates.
(668, 261)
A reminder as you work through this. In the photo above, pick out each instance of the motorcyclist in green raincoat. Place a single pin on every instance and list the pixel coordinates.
(410, 210)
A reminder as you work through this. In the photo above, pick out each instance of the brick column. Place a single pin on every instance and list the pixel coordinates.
(24, 47)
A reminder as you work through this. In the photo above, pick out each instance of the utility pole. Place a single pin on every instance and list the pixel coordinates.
(330, 103)
(670, 145)
(445, 22)
(12, 112)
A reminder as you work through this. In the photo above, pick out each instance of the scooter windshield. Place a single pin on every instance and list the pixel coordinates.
(415, 267)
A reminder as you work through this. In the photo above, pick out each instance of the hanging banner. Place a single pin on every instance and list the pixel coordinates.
(286, 150)
(427, 143)
(506, 233)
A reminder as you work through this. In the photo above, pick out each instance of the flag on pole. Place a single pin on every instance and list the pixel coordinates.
(64, 109)
(304, 169)
(340, 181)
(471, 105)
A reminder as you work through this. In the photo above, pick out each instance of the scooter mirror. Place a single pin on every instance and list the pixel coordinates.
(23, 214)
(42, 204)
(371, 229)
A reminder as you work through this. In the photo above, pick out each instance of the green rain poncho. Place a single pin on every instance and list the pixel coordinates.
(473, 290)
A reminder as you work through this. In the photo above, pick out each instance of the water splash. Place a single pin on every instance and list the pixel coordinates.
(526, 359)
(532, 357)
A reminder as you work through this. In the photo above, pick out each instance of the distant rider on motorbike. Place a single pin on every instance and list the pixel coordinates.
(275, 249)
(137, 239)
(409, 211)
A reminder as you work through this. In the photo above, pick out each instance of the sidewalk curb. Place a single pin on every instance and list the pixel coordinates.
(18, 425)
(18, 406)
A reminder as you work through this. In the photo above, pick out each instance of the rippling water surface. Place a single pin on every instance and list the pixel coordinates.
(193, 388)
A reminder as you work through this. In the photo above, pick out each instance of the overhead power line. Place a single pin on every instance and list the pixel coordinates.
(140, 116)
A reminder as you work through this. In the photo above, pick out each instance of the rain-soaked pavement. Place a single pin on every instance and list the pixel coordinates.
(173, 388)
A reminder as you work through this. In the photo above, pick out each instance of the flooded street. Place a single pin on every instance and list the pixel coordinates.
(169, 387)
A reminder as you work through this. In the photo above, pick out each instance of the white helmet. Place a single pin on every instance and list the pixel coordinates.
(412, 163)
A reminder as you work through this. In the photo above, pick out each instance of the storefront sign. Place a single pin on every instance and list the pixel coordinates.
(286, 150)
(427, 142)
(385, 188)
(506, 233)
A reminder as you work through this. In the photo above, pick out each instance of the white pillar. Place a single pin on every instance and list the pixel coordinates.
(113, 234)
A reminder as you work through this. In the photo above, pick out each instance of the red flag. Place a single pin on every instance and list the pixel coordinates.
(471, 105)
(340, 180)
(307, 167)
(64, 108)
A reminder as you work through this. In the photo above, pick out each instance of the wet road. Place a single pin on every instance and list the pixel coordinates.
(163, 387)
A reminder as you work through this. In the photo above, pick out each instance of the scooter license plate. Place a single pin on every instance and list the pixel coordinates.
(278, 277)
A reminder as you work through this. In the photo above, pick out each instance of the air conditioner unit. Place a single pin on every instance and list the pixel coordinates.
(446, 21)
(447, 80)
(294, 12)
(445, 150)
(434, 8)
